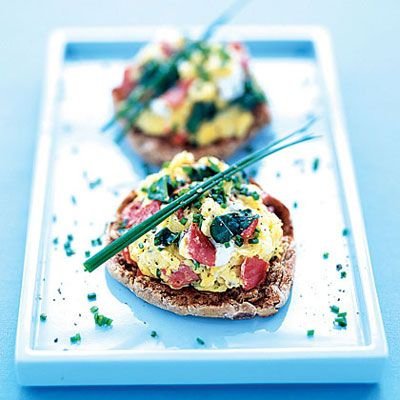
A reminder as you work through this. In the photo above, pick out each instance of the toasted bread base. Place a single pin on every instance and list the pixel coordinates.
(156, 150)
(265, 300)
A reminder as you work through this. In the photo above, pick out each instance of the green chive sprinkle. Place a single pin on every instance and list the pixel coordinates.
(315, 164)
(343, 274)
(141, 246)
(200, 341)
(335, 309)
(345, 232)
(325, 256)
(253, 241)
(310, 333)
(342, 322)
(227, 244)
(255, 195)
(75, 339)
(87, 253)
(91, 296)
(153, 334)
(102, 320)
(94, 309)
(183, 221)
(43, 317)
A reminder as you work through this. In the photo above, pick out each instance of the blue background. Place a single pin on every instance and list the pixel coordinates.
(365, 36)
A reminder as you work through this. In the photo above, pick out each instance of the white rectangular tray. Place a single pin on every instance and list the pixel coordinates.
(295, 67)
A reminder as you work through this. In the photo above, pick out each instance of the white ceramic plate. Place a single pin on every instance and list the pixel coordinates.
(80, 177)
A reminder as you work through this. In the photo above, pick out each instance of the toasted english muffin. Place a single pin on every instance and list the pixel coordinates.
(264, 300)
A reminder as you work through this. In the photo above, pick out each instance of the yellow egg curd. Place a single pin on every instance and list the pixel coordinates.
(238, 203)
(206, 93)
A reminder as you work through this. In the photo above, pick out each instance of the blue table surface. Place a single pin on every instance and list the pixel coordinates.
(365, 36)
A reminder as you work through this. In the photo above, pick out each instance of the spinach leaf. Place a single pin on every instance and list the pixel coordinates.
(161, 189)
(201, 111)
(165, 237)
(225, 227)
(251, 96)
(164, 75)
(199, 173)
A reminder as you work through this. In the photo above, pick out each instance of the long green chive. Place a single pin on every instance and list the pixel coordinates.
(192, 195)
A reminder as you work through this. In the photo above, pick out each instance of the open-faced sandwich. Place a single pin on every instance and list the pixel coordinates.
(229, 254)
(189, 95)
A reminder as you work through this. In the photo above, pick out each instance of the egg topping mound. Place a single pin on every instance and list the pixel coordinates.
(224, 240)
(209, 95)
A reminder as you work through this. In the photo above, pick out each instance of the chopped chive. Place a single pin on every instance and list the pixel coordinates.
(342, 314)
(91, 296)
(153, 334)
(342, 322)
(94, 309)
(345, 232)
(295, 205)
(183, 221)
(102, 320)
(141, 246)
(55, 241)
(335, 309)
(253, 241)
(200, 341)
(227, 244)
(43, 317)
(315, 164)
(325, 256)
(238, 240)
(310, 333)
(255, 196)
(75, 339)
(73, 200)
(343, 274)
(95, 183)
(70, 237)
(87, 253)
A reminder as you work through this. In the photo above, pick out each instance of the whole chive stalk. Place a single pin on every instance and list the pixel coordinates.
(192, 195)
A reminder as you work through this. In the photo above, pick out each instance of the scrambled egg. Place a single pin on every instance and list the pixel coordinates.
(213, 74)
(162, 262)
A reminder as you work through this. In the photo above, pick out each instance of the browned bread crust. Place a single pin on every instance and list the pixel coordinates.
(265, 300)
(156, 150)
